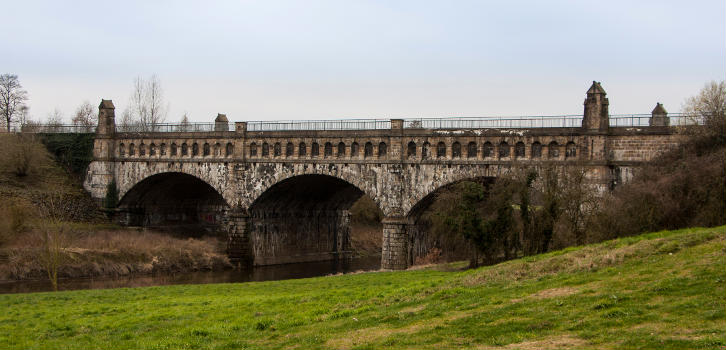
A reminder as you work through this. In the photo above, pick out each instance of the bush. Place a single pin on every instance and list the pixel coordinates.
(22, 154)
(14, 217)
(366, 212)
(73, 151)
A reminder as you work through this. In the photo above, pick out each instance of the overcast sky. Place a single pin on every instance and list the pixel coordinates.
(263, 60)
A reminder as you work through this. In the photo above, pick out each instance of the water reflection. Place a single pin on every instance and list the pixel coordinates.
(260, 273)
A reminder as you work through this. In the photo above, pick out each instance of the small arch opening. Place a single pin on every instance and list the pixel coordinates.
(411, 150)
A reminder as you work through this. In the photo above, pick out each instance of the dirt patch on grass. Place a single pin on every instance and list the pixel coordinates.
(550, 293)
(413, 309)
(554, 292)
(373, 334)
(560, 342)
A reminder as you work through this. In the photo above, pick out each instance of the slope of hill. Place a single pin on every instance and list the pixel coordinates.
(658, 290)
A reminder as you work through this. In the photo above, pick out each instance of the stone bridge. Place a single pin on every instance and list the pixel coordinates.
(282, 191)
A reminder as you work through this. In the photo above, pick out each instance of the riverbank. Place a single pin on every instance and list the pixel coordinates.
(659, 290)
(108, 251)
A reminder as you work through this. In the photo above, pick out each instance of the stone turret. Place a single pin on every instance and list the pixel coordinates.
(106, 118)
(596, 115)
(659, 116)
(221, 123)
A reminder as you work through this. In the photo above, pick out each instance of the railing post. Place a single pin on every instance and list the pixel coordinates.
(396, 151)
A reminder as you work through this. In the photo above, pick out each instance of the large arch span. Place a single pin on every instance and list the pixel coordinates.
(172, 199)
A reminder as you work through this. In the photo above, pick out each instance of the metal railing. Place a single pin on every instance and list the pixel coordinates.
(35, 128)
(643, 120)
(176, 127)
(305, 125)
(563, 121)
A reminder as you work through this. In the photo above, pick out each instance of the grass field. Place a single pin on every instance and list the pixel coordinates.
(660, 290)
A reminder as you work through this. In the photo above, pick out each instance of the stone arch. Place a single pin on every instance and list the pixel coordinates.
(289, 149)
(426, 150)
(553, 150)
(536, 150)
(504, 149)
(170, 197)
(471, 150)
(217, 149)
(265, 149)
(253, 150)
(268, 175)
(173, 149)
(184, 149)
(229, 150)
(328, 151)
(315, 150)
(354, 149)
(277, 150)
(152, 149)
(425, 184)
(456, 150)
(302, 149)
(411, 150)
(441, 150)
(382, 150)
(487, 150)
(368, 150)
(420, 238)
(341, 150)
(142, 149)
(162, 149)
(132, 150)
(195, 149)
(206, 151)
(519, 150)
(304, 217)
(121, 150)
(571, 150)
(212, 174)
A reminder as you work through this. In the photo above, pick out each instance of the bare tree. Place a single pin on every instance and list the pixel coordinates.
(127, 123)
(146, 106)
(54, 235)
(12, 99)
(24, 115)
(155, 102)
(54, 120)
(184, 124)
(85, 117)
(578, 201)
(708, 108)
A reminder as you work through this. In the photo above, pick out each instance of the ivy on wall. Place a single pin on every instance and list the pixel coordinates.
(72, 151)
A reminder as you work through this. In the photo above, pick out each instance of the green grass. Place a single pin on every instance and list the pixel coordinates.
(659, 290)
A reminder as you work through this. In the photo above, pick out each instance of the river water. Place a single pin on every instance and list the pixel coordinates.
(258, 273)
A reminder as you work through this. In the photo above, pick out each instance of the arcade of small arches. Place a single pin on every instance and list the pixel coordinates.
(439, 150)
(175, 150)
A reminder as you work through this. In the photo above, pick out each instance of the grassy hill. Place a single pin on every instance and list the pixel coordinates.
(45, 177)
(659, 290)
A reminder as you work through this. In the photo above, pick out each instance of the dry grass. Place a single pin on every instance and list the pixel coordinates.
(114, 253)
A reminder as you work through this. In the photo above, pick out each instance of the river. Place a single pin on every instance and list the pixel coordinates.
(258, 273)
